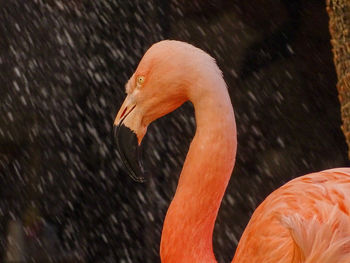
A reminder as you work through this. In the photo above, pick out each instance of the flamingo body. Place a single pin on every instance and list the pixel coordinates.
(306, 220)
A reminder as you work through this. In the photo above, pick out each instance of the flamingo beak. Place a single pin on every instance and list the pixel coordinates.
(128, 146)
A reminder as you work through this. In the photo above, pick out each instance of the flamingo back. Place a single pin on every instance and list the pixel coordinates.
(306, 220)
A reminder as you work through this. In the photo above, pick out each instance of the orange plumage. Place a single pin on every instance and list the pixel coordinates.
(306, 220)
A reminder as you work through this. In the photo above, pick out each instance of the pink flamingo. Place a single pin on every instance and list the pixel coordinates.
(306, 220)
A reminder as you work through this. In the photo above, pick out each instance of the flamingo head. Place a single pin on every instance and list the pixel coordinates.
(159, 85)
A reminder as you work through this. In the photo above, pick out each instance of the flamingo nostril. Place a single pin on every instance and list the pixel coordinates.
(121, 116)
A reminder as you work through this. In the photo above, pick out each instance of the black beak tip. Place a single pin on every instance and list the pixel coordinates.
(130, 152)
(115, 132)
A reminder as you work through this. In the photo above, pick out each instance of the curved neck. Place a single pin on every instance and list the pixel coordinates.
(189, 223)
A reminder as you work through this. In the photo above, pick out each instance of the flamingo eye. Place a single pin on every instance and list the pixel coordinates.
(140, 80)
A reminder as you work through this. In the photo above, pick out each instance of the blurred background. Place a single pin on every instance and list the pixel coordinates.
(64, 195)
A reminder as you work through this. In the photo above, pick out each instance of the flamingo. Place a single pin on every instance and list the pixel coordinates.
(305, 220)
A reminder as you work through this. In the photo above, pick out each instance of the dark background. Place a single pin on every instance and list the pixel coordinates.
(63, 66)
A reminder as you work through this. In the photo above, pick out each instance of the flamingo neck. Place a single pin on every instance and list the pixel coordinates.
(189, 223)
